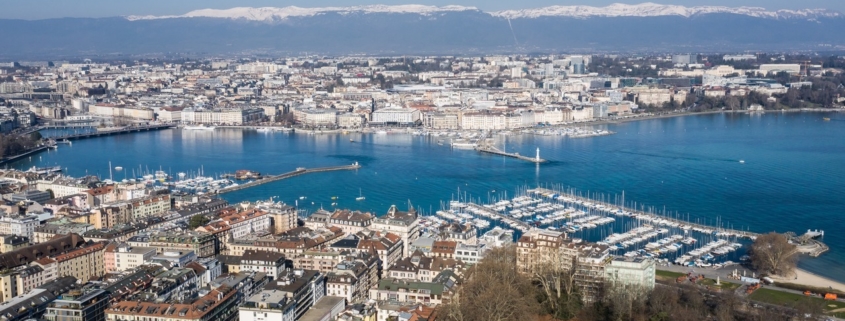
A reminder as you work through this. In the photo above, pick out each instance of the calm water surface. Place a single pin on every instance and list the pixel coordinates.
(793, 177)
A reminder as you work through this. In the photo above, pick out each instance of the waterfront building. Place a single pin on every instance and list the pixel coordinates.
(232, 116)
(351, 222)
(634, 272)
(396, 117)
(316, 117)
(435, 120)
(110, 110)
(350, 120)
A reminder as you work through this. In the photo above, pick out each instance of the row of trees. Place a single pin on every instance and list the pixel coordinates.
(494, 290)
(12, 144)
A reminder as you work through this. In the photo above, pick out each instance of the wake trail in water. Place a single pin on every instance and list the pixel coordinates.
(680, 157)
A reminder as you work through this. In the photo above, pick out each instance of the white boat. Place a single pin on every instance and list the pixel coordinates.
(200, 127)
(360, 196)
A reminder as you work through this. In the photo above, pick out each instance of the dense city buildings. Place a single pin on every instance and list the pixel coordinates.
(151, 245)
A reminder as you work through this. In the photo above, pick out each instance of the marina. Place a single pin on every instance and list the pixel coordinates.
(639, 233)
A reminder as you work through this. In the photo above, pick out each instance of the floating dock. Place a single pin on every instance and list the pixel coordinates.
(495, 151)
(297, 172)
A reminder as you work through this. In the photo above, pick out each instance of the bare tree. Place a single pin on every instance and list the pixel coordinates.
(772, 253)
(494, 290)
(555, 276)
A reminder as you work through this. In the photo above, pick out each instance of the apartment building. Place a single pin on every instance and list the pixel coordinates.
(633, 272)
(124, 257)
(22, 225)
(404, 224)
(84, 264)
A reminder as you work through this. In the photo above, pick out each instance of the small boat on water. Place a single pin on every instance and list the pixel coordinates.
(351, 140)
(826, 119)
(742, 161)
(200, 127)
(360, 196)
(334, 197)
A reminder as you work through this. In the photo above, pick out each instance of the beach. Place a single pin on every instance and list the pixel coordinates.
(806, 278)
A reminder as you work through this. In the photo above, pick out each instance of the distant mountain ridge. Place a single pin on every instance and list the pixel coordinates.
(647, 9)
(273, 13)
(419, 29)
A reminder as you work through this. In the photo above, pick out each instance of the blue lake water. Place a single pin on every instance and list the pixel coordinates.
(793, 177)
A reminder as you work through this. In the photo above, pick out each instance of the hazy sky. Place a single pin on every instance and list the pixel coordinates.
(42, 9)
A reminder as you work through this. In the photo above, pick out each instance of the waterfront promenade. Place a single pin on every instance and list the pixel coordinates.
(299, 171)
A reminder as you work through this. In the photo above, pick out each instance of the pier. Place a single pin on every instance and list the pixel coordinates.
(297, 172)
(687, 225)
(125, 130)
(495, 151)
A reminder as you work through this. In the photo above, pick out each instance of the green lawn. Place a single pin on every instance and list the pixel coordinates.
(728, 286)
(669, 274)
(788, 299)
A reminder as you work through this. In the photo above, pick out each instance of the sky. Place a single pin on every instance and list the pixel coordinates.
(45, 9)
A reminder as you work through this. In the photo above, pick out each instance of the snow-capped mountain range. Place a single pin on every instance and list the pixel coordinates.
(272, 13)
(647, 9)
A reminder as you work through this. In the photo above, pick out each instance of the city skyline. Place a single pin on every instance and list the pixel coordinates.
(48, 9)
